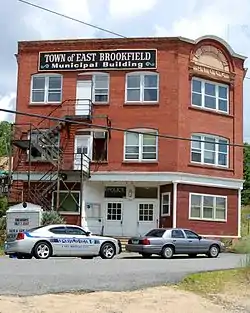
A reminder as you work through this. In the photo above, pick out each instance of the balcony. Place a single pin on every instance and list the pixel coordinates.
(76, 162)
(80, 109)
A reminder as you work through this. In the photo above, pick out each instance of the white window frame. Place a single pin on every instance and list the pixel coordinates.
(141, 74)
(93, 75)
(202, 150)
(66, 212)
(214, 207)
(217, 85)
(169, 203)
(94, 83)
(141, 132)
(146, 203)
(46, 88)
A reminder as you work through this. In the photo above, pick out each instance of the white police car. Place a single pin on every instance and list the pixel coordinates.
(61, 240)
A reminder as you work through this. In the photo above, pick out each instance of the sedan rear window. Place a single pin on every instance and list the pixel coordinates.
(34, 228)
(156, 233)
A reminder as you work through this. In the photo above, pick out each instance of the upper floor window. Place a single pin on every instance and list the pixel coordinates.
(142, 87)
(101, 88)
(141, 146)
(211, 150)
(46, 88)
(210, 95)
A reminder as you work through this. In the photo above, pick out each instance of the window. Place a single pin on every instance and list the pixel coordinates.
(210, 95)
(69, 201)
(146, 193)
(44, 147)
(156, 233)
(165, 204)
(208, 207)
(142, 87)
(146, 212)
(210, 150)
(75, 231)
(58, 230)
(114, 211)
(101, 88)
(177, 233)
(46, 88)
(191, 235)
(141, 147)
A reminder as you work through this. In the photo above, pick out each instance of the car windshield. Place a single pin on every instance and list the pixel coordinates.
(155, 233)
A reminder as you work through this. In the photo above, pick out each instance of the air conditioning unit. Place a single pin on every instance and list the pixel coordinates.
(99, 135)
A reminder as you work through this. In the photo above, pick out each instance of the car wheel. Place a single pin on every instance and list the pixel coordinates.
(167, 252)
(214, 251)
(146, 255)
(107, 250)
(42, 250)
(192, 255)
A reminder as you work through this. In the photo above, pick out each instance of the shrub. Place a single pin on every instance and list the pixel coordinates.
(242, 246)
(2, 229)
(52, 217)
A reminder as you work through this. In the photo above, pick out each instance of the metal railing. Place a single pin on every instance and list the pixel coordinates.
(78, 107)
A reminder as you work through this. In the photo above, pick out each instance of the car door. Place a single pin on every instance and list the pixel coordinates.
(80, 243)
(194, 244)
(59, 241)
(179, 240)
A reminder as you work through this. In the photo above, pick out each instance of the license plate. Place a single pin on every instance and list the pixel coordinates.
(135, 241)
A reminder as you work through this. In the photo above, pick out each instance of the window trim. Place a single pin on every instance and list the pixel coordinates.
(169, 209)
(140, 73)
(202, 107)
(202, 201)
(47, 75)
(217, 138)
(93, 74)
(66, 212)
(140, 160)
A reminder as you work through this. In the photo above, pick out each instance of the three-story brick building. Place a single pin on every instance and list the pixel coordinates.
(180, 105)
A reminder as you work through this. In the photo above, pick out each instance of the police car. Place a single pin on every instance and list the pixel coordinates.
(61, 241)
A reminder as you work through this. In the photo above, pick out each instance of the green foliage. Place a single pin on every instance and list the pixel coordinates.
(5, 137)
(52, 217)
(3, 206)
(246, 169)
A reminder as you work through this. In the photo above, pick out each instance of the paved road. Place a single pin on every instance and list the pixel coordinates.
(128, 272)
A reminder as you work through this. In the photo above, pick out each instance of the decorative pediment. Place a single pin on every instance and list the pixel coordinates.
(210, 62)
(212, 57)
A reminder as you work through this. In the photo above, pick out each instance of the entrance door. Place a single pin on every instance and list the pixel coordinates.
(84, 97)
(83, 149)
(114, 218)
(146, 217)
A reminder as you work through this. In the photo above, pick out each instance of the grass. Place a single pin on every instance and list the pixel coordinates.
(213, 282)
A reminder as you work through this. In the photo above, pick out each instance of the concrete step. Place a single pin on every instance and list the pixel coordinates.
(123, 240)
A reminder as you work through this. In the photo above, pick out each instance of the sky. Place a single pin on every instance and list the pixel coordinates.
(192, 19)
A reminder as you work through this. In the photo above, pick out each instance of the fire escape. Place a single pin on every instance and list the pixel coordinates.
(50, 144)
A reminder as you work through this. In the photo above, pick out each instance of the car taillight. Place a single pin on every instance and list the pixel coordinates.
(20, 236)
(145, 242)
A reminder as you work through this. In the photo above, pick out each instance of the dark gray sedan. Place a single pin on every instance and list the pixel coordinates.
(167, 242)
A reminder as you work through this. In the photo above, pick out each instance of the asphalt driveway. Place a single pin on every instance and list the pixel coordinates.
(127, 272)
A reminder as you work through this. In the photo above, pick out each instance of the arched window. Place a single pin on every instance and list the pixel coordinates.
(46, 88)
(142, 145)
(142, 87)
(209, 150)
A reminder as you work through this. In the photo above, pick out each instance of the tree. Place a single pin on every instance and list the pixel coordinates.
(5, 137)
(246, 169)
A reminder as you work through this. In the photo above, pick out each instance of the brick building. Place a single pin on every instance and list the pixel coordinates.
(124, 183)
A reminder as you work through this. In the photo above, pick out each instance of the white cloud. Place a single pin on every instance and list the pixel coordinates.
(129, 8)
(6, 102)
(51, 26)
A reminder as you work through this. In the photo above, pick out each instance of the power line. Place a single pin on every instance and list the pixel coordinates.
(90, 25)
(118, 129)
(71, 18)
